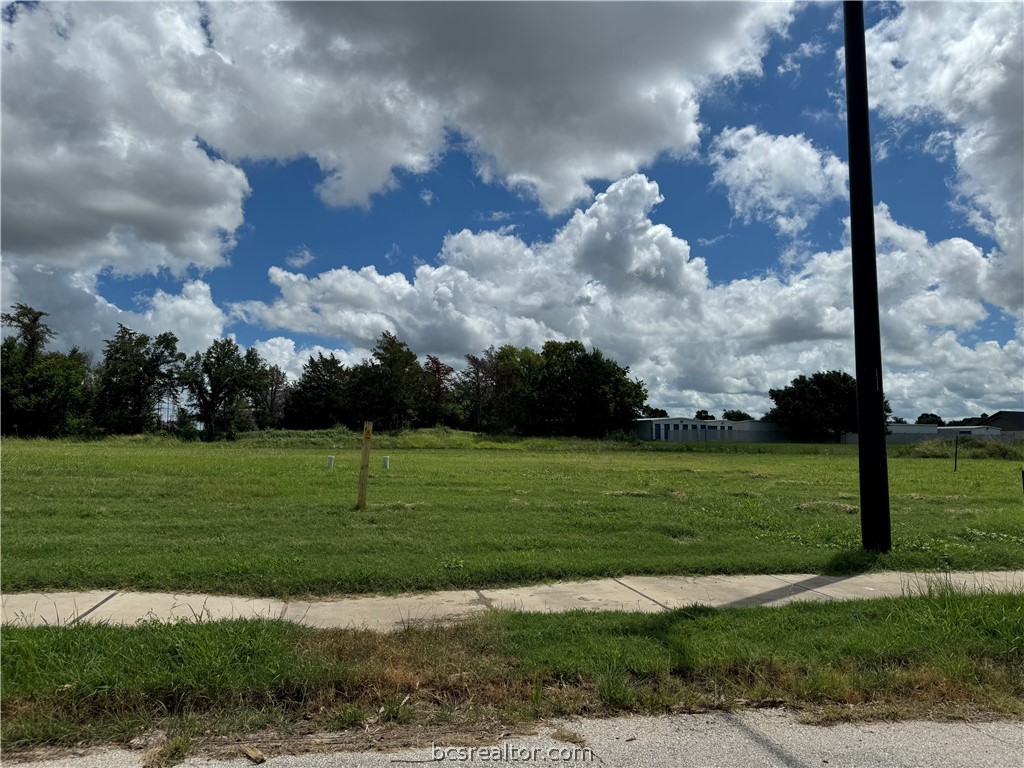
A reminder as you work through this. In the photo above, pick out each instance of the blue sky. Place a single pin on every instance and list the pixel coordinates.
(666, 182)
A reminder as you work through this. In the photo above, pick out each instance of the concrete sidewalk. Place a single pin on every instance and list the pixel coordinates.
(628, 593)
(761, 738)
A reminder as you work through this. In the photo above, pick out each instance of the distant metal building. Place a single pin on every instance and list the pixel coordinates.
(675, 429)
(974, 430)
(680, 430)
(901, 434)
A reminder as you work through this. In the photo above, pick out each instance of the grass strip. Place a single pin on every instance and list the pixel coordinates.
(938, 654)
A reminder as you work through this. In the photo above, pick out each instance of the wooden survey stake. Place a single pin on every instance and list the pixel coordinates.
(364, 466)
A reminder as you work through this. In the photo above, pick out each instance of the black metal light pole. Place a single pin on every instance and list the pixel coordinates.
(875, 526)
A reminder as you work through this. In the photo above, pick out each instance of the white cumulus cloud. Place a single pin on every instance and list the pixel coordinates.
(614, 279)
(99, 168)
(102, 105)
(780, 180)
(964, 64)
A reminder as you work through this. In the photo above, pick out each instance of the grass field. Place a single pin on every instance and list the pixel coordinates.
(265, 517)
(941, 654)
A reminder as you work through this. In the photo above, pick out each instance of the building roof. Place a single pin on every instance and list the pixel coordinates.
(1012, 421)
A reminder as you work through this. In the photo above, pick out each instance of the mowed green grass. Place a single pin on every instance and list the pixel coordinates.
(255, 518)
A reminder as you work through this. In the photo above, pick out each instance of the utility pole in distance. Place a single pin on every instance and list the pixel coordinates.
(875, 527)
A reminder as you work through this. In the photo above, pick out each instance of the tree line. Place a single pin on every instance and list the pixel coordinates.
(144, 383)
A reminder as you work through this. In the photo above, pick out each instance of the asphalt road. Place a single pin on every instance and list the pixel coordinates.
(745, 739)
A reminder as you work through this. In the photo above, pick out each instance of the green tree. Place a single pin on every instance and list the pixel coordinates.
(648, 412)
(31, 333)
(12, 387)
(825, 402)
(437, 404)
(930, 418)
(268, 394)
(474, 391)
(216, 383)
(396, 378)
(265, 388)
(703, 415)
(318, 400)
(737, 416)
(517, 373)
(49, 397)
(585, 394)
(621, 398)
(561, 388)
(137, 372)
(44, 394)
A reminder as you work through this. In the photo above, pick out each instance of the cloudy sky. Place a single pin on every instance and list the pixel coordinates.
(665, 181)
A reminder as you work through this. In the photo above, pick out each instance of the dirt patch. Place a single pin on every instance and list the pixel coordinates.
(810, 506)
(383, 738)
(387, 738)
